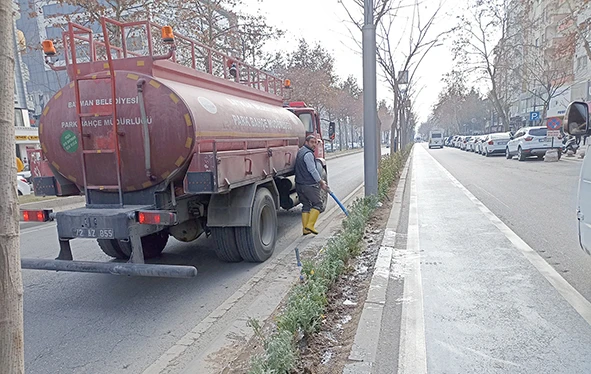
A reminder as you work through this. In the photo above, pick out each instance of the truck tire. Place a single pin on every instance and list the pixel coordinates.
(257, 242)
(152, 244)
(226, 247)
(111, 248)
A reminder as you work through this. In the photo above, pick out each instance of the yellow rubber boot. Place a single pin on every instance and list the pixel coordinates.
(314, 213)
(305, 218)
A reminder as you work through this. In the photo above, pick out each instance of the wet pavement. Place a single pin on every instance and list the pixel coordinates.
(477, 298)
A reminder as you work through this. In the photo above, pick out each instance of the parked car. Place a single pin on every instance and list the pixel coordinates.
(458, 141)
(23, 188)
(465, 141)
(480, 144)
(471, 145)
(495, 144)
(531, 141)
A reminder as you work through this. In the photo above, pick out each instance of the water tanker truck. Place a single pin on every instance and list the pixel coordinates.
(168, 138)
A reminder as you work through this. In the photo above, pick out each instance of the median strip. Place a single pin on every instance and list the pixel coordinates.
(306, 303)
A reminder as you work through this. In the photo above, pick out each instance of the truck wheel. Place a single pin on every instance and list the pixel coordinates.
(226, 247)
(257, 242)
(152, 244)
(112, 248)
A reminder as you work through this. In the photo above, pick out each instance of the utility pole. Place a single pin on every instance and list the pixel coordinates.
(370, 148)
(11, 286)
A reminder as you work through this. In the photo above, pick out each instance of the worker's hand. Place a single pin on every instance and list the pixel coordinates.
(324, 186)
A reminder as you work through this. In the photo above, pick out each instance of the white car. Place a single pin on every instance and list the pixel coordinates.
(23, 188)
(495, 144)
(531, 141)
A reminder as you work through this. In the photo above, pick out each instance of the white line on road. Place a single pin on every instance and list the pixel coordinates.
(412, 357)
(491, 195)
(568, 292)
(37, 228)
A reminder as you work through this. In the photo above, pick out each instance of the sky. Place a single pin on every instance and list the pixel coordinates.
(326, 22)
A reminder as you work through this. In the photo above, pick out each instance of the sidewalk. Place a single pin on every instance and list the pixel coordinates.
(465, 294)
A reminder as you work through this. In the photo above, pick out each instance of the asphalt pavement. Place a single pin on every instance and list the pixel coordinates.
(476, 284)
(536, 199)
(93, 323)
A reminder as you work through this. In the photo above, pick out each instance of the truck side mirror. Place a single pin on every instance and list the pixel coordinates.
(577, 118)
(331, 130)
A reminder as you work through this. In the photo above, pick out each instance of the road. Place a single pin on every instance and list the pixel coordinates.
(91, 323)
(486, 277)
(536, 199)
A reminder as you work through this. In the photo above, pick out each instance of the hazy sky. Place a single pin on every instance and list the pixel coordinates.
(326, 22)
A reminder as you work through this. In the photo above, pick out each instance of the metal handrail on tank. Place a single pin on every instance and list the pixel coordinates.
(213, 62)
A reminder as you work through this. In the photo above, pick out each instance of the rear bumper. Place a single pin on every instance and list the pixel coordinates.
(98, 223)
(538, 151)
(496, 151)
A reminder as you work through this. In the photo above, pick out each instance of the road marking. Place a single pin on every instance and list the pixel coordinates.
(568, 292)
(491, 195)
(35, 229)
(173, 353)
(412, 357)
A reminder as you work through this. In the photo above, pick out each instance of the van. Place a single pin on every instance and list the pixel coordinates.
(577, 124)
(435, 139)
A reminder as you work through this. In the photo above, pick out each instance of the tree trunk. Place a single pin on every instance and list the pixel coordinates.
(340, 136)
(11, 287)
(393, 133)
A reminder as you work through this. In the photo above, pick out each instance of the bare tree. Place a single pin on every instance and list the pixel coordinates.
(485, 45)
(414, 46)
(11, 288)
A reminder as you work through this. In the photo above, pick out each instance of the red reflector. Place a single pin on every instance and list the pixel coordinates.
(529, 139)
(491, 143)
(35, 215)
(156, 218)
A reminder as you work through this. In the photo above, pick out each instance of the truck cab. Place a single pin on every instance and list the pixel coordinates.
(311, 120)
(577, 124)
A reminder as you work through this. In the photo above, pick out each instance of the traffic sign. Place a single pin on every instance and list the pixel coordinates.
(553, 133)
(534, 116)
(554, 123)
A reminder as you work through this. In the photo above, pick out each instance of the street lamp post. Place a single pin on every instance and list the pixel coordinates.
(370, 146)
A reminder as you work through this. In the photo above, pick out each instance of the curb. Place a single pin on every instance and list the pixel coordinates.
(60, 202)
(339, 155)
(365, 345)
(575, 159)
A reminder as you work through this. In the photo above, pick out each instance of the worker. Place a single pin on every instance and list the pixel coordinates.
(19, 165)
(308, 185)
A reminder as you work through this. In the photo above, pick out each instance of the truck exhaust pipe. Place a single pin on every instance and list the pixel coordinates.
(113, 268)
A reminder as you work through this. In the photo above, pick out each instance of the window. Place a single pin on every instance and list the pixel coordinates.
(18, 118)
(436, 135)
(582, 63)
(306, 119)
(538, 132)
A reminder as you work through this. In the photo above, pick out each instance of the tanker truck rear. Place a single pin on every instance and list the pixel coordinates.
(181, 143)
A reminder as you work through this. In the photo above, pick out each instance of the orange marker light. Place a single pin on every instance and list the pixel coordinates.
(48, 48)
(167, 34)
(287, 83)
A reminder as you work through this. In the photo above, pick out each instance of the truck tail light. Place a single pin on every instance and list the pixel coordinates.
(491, 143)
(154, 217)
(36, 215)
(529, 139)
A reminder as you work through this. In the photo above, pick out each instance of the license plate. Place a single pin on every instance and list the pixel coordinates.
(94, 233)
(545, 140)
(501, 143)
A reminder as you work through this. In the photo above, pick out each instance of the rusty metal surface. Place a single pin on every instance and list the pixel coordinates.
(180, 116)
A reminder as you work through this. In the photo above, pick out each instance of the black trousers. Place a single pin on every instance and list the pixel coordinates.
(309, 197)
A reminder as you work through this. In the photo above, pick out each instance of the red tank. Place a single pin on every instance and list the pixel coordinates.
(179, 116)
